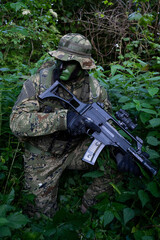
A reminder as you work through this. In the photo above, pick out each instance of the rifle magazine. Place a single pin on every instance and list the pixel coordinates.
(93, 152)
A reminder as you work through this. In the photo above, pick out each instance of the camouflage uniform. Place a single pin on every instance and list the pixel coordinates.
(42, 126)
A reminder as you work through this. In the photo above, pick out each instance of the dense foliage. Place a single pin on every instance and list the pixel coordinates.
(29, 29)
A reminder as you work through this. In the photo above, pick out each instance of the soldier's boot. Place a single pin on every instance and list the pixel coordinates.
(98, 186)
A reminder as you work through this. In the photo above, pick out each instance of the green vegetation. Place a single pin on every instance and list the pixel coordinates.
(130, 73)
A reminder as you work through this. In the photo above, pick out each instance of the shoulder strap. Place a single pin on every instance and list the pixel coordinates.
(84, 96)
(94, 89)
(46, 76)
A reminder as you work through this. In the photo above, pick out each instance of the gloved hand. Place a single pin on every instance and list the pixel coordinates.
(75, 124)
(78, 125)
(125, 163)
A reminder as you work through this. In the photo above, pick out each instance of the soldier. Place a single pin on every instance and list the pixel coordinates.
(54, 136)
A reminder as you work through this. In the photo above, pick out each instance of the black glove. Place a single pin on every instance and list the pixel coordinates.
(78, 125)
(75, 124)
(126, 163)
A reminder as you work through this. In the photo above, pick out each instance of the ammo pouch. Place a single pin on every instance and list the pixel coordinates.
(56, 144)
(62, 143)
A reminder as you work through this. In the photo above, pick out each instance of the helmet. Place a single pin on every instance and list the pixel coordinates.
(74, 46)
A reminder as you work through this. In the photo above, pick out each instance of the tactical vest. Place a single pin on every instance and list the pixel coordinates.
(61, 142)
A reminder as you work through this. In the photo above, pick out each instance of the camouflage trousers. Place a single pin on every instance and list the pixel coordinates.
(43, 172)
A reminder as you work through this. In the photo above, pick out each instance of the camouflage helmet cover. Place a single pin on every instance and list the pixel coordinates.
(74, 46)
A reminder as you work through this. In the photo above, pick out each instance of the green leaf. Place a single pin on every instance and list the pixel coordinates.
(18, 5)
(135, 16)
(152, 141)
(114, 68)
(129, 71)
(90, 234)
(143, 196)
(138, 234)
(148, 238)
(144, 117)
(129, 106)
(1, 55)
(146, 105)
(153, 79)
(94, 174)
(10, 196)
(19, 29)
(5, 232)
(4, 69)
(155, 122)
(3, 221)
(115, 187)
(17, 220)
(123, 99)
(153, 91)
(31, 235)
(138, 104)
(108, 217)
(142, 63)
(153, 154)
(153, 189)
(126, 39)
(150, 111)
(4, 208)
(128, 214)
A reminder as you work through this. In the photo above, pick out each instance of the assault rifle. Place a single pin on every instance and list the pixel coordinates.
(107, 135)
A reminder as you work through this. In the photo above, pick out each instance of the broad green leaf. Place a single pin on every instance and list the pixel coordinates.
(114, 68)
(126, 39)
(134, 229)
(153, 91)
(146, 105)
(150, 111)
(116, 77)
(17, 220)
(94, 174)
(128, 214)
(4, 208)
(138, 235)
(144, 117)
(4, 69)
(148, 238)
(125, 196)
(135, 16)
(1, 55)
(108, 217)
(3, 221)
(50, 231)
(123, 99)
(129, 105)
(129, 71)
(142, 63)
(143, 196)
(153, 154)
(31, 235)
(19, 29)
(10, 196)
(5, 232)
(153, 189)
(90, 234)
(152, 141)
(153, 79)
(17, 6)
(138, 104)
(155, 122)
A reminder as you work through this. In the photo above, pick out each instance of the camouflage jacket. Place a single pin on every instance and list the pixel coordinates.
(44, 124)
